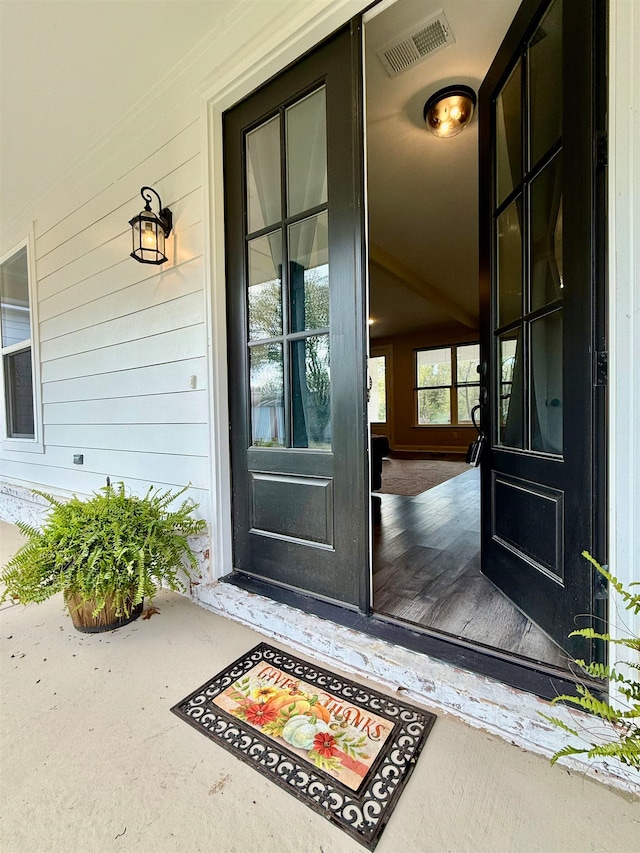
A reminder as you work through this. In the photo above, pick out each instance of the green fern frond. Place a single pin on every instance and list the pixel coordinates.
(621, 733)
(626, 750)
(567, 750)
(560, 724)
(27, 530)
(590, 634)
(588, 702)
(597, 670)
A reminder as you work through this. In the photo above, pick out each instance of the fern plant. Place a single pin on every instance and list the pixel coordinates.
(114, 547)
(620, 735)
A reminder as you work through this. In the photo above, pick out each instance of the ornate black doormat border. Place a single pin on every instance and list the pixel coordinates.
(343, 749)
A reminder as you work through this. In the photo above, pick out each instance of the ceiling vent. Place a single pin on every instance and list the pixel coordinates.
(406, 50)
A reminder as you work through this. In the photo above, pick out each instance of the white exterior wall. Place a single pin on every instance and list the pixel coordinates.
(119, 341)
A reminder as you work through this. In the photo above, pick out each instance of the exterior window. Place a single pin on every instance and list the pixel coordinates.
(447, 384)
(16, 345)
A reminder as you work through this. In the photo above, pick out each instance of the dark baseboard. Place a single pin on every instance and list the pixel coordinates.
(439, 455)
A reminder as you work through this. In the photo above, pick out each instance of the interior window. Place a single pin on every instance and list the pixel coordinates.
(447, 384)
(378, 389)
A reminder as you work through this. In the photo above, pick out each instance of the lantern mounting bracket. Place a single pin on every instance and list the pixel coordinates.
(165, 216)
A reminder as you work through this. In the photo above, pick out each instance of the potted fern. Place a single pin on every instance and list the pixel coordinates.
(105, 554)
(619, 734)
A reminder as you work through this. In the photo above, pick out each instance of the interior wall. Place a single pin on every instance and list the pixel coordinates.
(406, 435)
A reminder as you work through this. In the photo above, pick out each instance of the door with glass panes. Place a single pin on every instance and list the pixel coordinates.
(293, 218)
(541, 484)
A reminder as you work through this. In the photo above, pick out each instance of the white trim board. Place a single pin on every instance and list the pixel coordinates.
(624, 309)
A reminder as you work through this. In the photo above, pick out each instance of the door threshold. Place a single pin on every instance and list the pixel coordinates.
(520, 673)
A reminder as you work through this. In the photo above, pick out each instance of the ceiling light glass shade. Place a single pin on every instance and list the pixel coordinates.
(450, 110)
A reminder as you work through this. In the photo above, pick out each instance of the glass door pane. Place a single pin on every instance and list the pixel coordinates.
(545, 74)
(546, 235)
(509, 272)
(263, 175)
(311, 392)
(265, 287)
(267, 395)
(510, 390)
(307, 153)
(309, 273)
(546, 383)
(509, 135)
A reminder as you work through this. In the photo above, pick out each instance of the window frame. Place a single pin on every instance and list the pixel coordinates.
(15, 443)
(452, 387)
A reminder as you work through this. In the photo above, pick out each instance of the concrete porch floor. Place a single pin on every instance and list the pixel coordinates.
(92, 759)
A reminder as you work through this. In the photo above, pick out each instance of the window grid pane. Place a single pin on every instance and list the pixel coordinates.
(434, 368)
(447, 384)
(15, 317)
(19, 394)
(434, 406)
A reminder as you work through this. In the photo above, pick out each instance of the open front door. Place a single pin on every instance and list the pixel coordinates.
(294, 245)
(538, 292)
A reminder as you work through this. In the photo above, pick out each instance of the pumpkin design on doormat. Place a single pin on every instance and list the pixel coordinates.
(341, 748)
(335, 736)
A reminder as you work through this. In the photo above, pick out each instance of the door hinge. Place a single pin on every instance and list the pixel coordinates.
(602, 150)
(601, 367)
(601, 587)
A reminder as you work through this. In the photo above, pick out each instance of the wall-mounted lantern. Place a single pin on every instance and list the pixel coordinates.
(149, 230)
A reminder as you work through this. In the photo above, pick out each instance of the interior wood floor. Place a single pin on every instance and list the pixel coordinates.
(426, 564)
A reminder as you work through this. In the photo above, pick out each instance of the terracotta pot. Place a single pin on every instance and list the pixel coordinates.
(81, 613)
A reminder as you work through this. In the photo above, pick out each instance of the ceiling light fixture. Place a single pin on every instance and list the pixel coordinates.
(149, 230)
(448, 111)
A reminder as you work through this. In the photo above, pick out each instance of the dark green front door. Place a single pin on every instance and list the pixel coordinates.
(293, 219)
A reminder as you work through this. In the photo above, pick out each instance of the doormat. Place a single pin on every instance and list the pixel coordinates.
(343, 749)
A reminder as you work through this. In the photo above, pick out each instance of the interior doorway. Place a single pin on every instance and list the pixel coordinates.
(424, 316)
